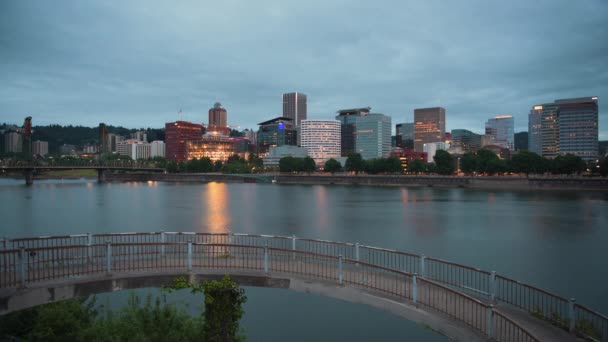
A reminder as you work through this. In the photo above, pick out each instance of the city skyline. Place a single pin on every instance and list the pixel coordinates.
(146, 65)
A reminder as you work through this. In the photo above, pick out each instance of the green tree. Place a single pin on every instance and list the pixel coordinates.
(332, 166)
(486, 161)
(393, 165)
(224, 301)
(217, 166)
(527, 162)
(468, 163)
(416, 166)
(256, 163)
(354, 163)
(444, 162)
(604, 167)
(288, 164)
(308, 164)
(569, 164)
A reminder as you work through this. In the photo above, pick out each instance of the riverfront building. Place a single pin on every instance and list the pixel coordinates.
(276, 132)
(13, 142)
(275, 154)
(348, 119)
(157, 149)
(535, 119)
(373, 136)
(578, 127)
(431, 148)
(429, 126)
(176, 135)
(321, 138)
(465, 141)
(213, 146)
(501, 131)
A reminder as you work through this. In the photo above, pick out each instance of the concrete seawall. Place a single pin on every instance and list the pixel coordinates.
(506, 183)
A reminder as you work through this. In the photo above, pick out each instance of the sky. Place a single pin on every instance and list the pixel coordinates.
(137, 63)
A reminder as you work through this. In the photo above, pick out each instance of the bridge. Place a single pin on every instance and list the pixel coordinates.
(459, 301)
(30, 167)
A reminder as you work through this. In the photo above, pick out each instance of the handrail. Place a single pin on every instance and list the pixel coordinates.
(538, 302)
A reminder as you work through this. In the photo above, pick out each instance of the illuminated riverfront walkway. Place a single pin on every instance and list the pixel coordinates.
(459, 301)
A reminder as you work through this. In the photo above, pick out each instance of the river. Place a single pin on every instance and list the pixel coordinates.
(551, 239)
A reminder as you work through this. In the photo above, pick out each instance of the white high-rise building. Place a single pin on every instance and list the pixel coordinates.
(13, 142)
(431, 148)
(157, 149)
(124, 147)
(321, 138)
(141, 150)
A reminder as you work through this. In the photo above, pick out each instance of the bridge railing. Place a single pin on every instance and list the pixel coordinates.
(540, 303)
(28, 266)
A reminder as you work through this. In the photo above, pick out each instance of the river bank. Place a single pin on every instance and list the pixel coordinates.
(493, 182)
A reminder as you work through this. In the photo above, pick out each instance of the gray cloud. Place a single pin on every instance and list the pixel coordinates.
(136, 63)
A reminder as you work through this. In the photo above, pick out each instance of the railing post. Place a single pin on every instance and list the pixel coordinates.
(571, 315)
(266, 258)
(423, 266)
(357, 251)
(415, 288)
(490, 321)
(189, 255)
(22, 266)
(108, 257)
(340, 269)
(293, 246)
(89, 245)
(230, 237)
(493, 287)
(163, 240)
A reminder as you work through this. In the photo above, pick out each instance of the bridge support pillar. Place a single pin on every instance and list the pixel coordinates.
(101, 176)
(29, 176)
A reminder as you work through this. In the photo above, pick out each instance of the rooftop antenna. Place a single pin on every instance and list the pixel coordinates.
(179, 114)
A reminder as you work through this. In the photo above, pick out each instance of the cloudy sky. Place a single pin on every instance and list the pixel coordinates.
(136, 63)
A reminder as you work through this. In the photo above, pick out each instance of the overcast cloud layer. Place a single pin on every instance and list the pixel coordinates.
(136, 63)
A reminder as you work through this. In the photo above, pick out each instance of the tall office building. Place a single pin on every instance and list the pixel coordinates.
(348, 119)
(177, 134)
(321, 138)
(500, 130)
(140, 136)
(405, 135)
(550, 130)
(578, 127)
(294, 107)
(218, 120)
(534, 129)
(373, 136)
(465, 141)
(276, 132)
(157, 149)
(429, 126)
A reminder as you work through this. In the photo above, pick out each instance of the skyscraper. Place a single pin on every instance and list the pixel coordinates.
(549, 140)
(429, 126)
(405, 135)
(373, 136)
(500, 130)
(294, 107)
(348, 118)
(578, 127)
(276, 132)
(321, 138)
(177, 134)
(465, 140)
(218, 120)
(534, 129)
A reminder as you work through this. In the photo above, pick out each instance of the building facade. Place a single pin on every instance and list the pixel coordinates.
(276, 132)
(140, 136)
(404, 135)
(373, 136)
(218, 120)
(13, 142)
(501, 131)
(550, 130)
(348, 126)
(141, 150)
(321, 138)
(124, 147)
(535, 119)
(431, 148)
(40, 148)
(465, 140)
(578, 127)
(295, 107)
(429, 126)
(275, 154)
(157, 149)
(213, 146)
(176, 136)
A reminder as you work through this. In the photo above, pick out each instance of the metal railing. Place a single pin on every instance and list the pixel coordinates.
(558, 310)
(28, 266)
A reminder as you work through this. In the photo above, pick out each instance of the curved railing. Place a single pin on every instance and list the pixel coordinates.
(464, 284)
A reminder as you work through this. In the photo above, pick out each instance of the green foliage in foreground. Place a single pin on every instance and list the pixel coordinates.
(152, 319)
